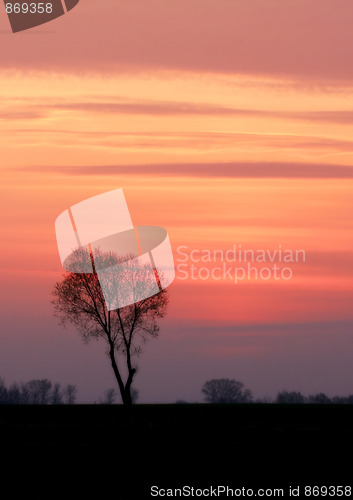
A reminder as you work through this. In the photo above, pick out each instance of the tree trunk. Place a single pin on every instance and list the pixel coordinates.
(127, 390)
(117, 374)
(127, 397)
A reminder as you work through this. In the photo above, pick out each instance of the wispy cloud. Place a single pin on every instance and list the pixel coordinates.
(231, 170)
(15, 109)
(18, 114)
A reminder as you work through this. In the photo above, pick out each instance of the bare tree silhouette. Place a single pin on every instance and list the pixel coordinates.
(79, 299)
(109, 397)
(36, 392)
(69, 394)
(56, 395)
(225, 390)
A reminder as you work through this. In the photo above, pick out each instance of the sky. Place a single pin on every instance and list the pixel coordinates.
(228, 123)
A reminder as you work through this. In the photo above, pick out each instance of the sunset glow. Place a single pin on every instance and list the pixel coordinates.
(247, 146)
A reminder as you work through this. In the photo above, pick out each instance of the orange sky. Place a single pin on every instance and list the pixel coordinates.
(250, 145)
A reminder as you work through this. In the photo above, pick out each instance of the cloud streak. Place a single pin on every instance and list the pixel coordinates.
(17, 109)
(220, 170)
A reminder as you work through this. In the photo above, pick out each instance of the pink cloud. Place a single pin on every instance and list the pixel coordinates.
(295, 38)
(220, 170)
(163, 108)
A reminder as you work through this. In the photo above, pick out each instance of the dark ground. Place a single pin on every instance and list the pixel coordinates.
(100, 451)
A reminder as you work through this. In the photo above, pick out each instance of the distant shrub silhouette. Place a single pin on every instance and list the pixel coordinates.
(320, 399)
(69, 394)
(343, 400)
(290, 397)
(109, 397)
(264, 400)
(36, 392)
(226, 391)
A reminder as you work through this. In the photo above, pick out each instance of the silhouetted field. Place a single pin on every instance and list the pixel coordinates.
(173, 445)
(83, 423)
